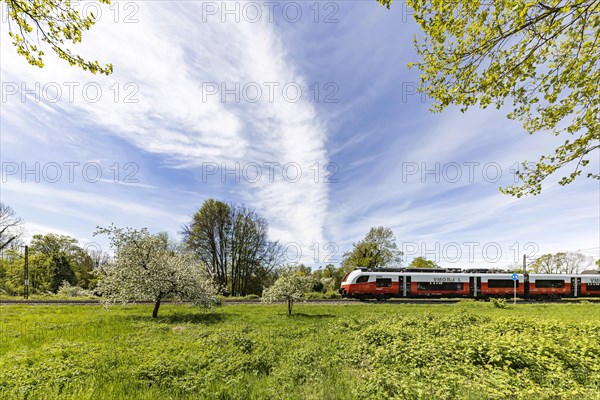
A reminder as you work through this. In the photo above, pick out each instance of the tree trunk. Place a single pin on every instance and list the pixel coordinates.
(156, 306)
(289, 306)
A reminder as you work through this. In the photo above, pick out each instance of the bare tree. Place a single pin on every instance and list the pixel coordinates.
(575, 262)
(251, 248)
(561, 263)
(208, 236)
(232, 241)
(545, 264)
(11, 226)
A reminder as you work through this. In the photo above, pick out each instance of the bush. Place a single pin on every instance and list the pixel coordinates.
(252, 297)
(13, 289)
(66, 290)
(332, 295)
(499, 303)
(322, 296)
(314, 296)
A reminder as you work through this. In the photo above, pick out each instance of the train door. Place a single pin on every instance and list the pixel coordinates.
(475, 286)
(575, 286)
(406, 286)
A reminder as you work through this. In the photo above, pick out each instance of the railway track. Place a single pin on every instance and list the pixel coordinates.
(322, 302)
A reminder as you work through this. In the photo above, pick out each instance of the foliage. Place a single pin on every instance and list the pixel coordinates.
(465, 356)
(233, 243)
(356, 351)
(329, 295)
(561, 263)
(498, 303)
(542, 56)
(422, 262)
(330, 277)
(377, 249)
(54, 22)
(62, 272)
(146, 269)
(56, 258)
(291, 286)
(67, 290)
(52, 260)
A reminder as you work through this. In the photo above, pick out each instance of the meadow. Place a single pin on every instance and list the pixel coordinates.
(468, 350)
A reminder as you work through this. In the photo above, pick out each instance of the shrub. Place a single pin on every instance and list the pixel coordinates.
(499, 303)
(315, 296)
(66, 290)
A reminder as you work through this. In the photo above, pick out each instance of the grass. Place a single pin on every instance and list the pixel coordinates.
(468, 350)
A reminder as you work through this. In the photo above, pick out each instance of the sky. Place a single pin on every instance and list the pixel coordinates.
(305, 111)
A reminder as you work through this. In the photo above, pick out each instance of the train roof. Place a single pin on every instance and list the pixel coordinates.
(438, 270)
(478, 271)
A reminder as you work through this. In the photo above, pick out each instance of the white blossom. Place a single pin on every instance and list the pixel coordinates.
(146, 269)
(290, 287)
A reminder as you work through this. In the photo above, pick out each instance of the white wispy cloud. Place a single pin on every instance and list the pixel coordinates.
(164, 63)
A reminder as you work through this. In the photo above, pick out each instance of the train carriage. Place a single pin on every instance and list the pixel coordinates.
(550, 285)
(500, 285)
(589, 285)
(437, 285)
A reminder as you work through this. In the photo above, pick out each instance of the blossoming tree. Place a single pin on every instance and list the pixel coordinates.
(291, 286)
(145, 268)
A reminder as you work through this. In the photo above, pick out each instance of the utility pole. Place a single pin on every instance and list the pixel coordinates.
(524, 263)
(26, 274)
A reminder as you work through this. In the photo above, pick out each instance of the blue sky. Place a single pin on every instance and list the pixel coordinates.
(180, 121)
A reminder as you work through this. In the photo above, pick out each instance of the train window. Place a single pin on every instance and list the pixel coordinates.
(501, 283)
(440, 286)
(383, 282)
(549, 283)
(593, 286)
(362, 279)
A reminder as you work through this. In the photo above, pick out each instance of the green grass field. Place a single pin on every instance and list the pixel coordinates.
(351, 351)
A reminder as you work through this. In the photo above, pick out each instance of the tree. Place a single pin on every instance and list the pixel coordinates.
(251, 248)
(10, 226)
(58, 258)
(544, 56)
(54, 22)
(291, 286)
(232, 241)
(377, 249)
(575, 262)
(330, 271)
(561, 263)
(62, 272)
(422, 262)
(208, 237)
(145, 268)
(11, 271)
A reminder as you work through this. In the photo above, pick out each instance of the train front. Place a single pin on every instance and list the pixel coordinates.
(346, 289)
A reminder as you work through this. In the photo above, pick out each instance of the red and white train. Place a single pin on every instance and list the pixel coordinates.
(383, 284)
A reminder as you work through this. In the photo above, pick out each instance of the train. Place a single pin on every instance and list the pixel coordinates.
(383, 284)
